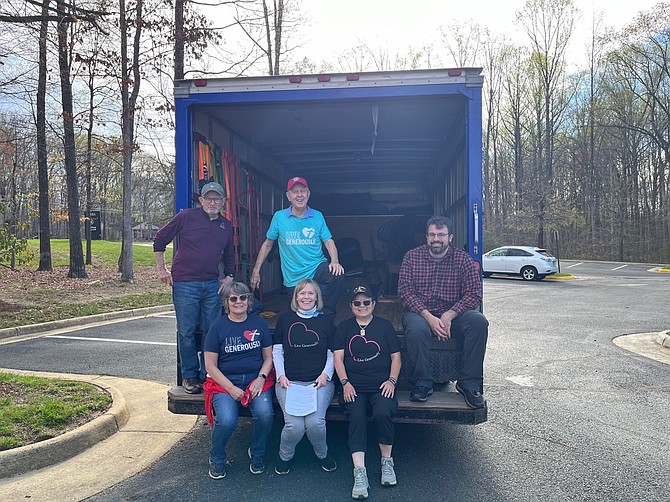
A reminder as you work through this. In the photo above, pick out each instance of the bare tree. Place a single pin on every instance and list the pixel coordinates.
(45, 263)
(549, 25)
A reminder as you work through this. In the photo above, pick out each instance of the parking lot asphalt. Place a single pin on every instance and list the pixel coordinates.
(137, 430)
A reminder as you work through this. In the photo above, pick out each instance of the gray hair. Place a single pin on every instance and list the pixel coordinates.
(237, 289)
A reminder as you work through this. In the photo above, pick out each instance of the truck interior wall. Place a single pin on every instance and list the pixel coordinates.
(450, 198)
(252, 184)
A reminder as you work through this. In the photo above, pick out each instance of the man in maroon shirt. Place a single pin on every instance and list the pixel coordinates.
(441, 289)
(202, 266)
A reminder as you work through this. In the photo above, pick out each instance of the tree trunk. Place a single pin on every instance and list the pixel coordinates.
(89, 156)
(179, 40)
(45, 264)
(77, 267)
(129, 100)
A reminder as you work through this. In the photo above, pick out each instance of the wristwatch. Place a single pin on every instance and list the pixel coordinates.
(344, 381)
(263, 376)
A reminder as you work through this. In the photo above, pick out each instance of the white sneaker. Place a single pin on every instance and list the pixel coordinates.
(388, 473)
(360, 489)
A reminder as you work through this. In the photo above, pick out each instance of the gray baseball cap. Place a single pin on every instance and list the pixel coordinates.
(213, 187)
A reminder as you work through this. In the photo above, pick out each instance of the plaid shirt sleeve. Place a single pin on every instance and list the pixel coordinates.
(453, 283)
(410, 270)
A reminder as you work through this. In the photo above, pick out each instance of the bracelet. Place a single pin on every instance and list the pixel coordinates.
(393, 381)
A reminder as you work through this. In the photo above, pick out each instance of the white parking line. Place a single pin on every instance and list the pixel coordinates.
(622, 266)
(522, 380)
(115, 340)
(575, 264)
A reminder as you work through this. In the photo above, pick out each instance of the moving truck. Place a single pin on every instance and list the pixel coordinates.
(381, 151)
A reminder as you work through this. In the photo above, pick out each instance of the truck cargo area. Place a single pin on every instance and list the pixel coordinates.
(381, 151)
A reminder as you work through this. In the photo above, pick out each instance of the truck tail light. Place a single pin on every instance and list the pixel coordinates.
(352, 77)
(295, 80)
(200, 83)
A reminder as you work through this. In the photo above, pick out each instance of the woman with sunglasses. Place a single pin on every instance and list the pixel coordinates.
(238, 359)
(366, 355)
(302, 357)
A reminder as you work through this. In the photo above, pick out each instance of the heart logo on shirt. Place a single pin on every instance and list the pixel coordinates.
(362, 349)
(308, 232)
(251, 334)
(299, 335)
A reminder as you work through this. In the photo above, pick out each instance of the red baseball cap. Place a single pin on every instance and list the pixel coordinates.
(294, 181)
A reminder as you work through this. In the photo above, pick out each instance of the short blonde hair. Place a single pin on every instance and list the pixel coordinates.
(302, 285)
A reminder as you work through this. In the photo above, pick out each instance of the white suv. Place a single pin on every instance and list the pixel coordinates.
(532, 264)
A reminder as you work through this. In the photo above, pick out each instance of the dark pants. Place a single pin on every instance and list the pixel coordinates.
(383, 411)
(330, 285)
(471, 326)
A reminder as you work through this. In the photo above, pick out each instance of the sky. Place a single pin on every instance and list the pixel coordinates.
(336, 25)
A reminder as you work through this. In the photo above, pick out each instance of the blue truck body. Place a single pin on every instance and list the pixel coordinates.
(382, 151)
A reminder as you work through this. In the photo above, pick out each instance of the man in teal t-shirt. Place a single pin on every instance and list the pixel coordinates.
(301, 231)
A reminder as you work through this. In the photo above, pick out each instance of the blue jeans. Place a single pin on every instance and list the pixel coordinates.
(226, 410)
(314, 424)
(197, 304)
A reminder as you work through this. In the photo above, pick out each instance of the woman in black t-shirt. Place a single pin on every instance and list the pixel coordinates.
(367, 360)
(302, 357)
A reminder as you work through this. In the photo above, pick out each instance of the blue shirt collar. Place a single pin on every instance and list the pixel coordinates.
(308, 214)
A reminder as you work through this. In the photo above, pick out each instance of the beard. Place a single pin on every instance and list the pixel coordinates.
(438, 248)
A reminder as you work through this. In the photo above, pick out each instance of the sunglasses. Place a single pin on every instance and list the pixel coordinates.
(357, 303)
(242, 298)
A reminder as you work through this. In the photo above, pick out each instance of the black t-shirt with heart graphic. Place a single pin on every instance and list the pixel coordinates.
(306, 343)
(367, 359)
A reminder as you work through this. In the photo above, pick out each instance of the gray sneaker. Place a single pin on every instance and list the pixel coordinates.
(360, 489)
(388, 473)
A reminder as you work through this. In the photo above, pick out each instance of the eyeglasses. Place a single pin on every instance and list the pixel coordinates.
(213, 200)
(365, 303)
(440, 235)
(242, 298)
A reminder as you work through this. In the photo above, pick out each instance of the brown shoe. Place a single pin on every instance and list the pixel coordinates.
(191, 386)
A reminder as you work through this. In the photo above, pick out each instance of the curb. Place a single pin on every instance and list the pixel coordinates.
(663, 339)
(52, 451)
(31, 329)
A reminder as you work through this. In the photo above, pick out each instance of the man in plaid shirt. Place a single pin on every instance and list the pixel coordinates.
(441, 289)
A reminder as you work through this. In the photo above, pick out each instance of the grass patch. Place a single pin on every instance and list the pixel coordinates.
(46, 312)
(33, 409)
(665, 269)
(560, 275)
(103, 253)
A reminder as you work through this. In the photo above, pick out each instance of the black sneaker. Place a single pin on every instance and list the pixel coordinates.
(217, 471)
(257, 466)
(191, 386)
(328, 463)
(420, 393)
(283, 466)
(473, 398)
